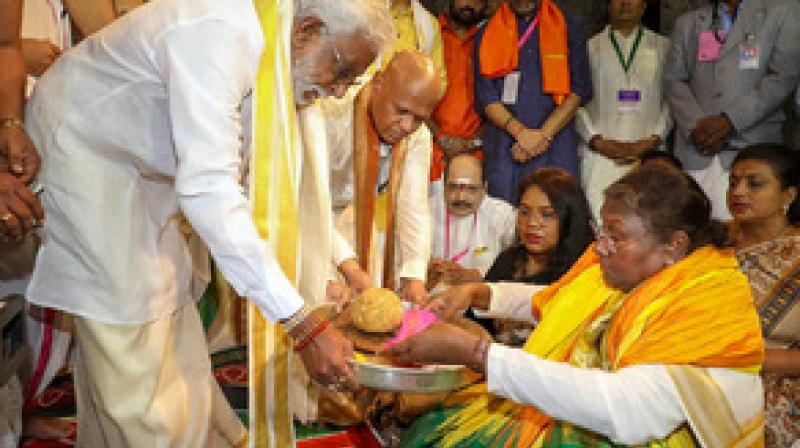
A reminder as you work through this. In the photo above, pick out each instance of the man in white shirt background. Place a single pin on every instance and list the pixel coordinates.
(628, 114)
(470, 229)
(143, 122)
(389, 156)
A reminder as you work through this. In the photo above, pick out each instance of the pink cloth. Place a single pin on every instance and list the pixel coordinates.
(414, 321)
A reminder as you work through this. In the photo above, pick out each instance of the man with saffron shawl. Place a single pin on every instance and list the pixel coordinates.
(143, 122)
(385, 229)
(651, 339)
(456, 124)
(532, 73)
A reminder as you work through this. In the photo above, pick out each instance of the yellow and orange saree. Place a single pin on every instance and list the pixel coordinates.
(693, 315)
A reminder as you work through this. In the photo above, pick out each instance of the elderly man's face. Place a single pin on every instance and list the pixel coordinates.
(398, 110)
(626, 11)
(524, 7)
(629, 252)
(323, 64)
(463, 188)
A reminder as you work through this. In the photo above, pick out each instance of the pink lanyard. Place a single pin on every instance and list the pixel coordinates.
(528, 31)
(457, 257)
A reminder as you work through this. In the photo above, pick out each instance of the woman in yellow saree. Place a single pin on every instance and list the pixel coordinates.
(651, 339)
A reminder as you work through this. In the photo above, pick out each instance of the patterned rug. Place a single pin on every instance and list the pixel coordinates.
(230, 370)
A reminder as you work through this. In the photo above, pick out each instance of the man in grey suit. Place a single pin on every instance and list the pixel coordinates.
(731, 67)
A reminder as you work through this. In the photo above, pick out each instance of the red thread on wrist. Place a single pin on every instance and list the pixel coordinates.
(312, 335)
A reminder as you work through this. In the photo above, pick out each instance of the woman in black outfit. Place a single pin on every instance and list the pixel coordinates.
(553, 229)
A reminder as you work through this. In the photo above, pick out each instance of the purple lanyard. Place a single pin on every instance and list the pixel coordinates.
(457, 257)
(529, 31)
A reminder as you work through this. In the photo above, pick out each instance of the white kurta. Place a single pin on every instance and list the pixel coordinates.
(493, 232)
(412, 234)
(631, 406)
(134, 125)
(603, 116)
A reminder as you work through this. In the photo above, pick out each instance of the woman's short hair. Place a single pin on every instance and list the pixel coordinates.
(785, 164)
(657, 154)
(574, 215)
(668, 201)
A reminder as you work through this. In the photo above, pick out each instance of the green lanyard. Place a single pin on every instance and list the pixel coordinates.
(626, 64)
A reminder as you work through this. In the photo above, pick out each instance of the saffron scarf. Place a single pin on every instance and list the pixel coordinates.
(697, 313)
(366, 154)
(274, 192)
(498, 53)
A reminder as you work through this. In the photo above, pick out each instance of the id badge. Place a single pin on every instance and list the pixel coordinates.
(510, 88)
(629, 100)
(749, 53)
(709, 46)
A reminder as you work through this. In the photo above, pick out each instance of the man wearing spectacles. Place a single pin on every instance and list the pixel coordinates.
(469, 228)
(144, 122)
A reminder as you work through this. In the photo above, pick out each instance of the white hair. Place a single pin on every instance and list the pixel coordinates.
(370, 19)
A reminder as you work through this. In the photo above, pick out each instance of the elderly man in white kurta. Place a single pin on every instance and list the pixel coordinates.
(389, 153)
(142, 122)
(628, 114)
(469, 228)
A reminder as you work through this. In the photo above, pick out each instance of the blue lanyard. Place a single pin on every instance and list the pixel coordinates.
(726, 20)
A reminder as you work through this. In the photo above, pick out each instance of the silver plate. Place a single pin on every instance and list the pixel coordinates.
(411, 379)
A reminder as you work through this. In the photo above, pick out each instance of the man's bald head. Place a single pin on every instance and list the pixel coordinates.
(404, 95)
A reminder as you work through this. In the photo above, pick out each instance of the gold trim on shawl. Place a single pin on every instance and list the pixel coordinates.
(274, 201)
(657, 333)
(366, 154)
(399, 152)
(710, 415)
(365, 165)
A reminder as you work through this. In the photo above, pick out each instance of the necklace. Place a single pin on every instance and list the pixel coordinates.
(740, 242)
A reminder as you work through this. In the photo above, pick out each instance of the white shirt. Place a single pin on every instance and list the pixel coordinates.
(413, 221)
(138, 122)
(631, 406)
(493, 232)
(603, 116)
(412, 235)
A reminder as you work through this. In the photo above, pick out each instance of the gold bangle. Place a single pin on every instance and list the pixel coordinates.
(313, 323)
(297, 318)
(7, 122)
